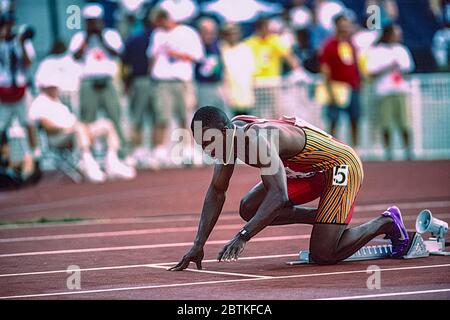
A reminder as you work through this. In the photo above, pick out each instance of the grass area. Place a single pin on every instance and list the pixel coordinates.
(41, 221)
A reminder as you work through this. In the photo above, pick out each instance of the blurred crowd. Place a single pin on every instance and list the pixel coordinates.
(168, 58)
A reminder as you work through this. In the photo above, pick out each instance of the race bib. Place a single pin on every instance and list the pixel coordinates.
(340, 175)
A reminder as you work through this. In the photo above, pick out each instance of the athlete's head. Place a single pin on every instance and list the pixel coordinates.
(218, 124)
(211, 118)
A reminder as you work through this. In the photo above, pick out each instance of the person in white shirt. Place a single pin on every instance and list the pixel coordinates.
(388, 61)
(97, 49)
(239, 65)
(70, 70)
(62, 126)
(173, 51)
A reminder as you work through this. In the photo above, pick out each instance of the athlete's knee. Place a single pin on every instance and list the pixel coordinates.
(246, 210)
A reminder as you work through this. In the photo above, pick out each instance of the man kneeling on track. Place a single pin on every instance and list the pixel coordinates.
(306, 164)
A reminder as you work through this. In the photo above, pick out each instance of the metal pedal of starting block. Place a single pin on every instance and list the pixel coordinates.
(417, 249)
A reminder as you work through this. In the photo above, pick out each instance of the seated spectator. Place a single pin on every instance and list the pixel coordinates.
(239, 68)
(70, 71)
(63, 127)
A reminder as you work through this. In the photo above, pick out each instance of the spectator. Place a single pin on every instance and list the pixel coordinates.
(63, 127)
(269, 53)
(68, 68)
(326, 10)
(98, 48)
(139, 88)
(363, 40)
(389, 10)
(16, 55)
(317, 32)
(281, 26)
(388, 61)
(440, 10)
(127, 17)
(239, 68)
(340, 70)
(300, 15)
(181, 11)
(305, 52)
(209, 71)
(441, 45)
(173, 51)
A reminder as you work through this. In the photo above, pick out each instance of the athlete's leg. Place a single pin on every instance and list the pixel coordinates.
(287, 215)
(331, 243)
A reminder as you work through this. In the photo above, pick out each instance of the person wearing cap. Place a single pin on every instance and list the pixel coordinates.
(16, 56)
(97, 49)
(239, 66)
(63, 127)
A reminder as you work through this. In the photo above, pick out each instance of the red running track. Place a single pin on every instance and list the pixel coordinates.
(130, 232)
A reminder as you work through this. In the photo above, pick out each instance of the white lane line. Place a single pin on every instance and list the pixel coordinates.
(160, 264)
(134, 232)
(215, 272)
(140, 247)
(174, 285)
(115, 221)
(166, 264)
(393, 294)
(137, 232)
(230, 216)
(6, 275)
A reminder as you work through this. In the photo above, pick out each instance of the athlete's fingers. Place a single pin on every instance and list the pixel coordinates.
(228, 254)
(221, 253)
(236, 253)
(183, 264)
(175, 266)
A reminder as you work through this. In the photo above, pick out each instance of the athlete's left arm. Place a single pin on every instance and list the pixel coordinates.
(273, 177)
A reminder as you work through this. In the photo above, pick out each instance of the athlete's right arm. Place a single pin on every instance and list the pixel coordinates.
(212, 207)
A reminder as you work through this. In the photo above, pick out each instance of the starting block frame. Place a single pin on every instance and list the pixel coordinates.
(418, 248)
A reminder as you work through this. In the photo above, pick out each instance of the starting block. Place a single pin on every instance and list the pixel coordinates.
(418, 247)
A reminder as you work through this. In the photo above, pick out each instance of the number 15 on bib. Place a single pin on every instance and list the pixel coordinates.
(340, 175)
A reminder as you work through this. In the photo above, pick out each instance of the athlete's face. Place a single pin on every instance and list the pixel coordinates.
(214, 142)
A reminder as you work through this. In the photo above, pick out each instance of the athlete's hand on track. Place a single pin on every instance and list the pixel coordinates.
(232, 249)
(195, 254)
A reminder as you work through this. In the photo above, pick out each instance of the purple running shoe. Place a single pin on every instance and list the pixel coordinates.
(398, 235)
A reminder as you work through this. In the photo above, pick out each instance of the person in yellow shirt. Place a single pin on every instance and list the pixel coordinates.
(269, 52)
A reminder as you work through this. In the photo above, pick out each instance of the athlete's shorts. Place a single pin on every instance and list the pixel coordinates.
(336, 201)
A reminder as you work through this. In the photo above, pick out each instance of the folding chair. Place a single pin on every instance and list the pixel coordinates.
(63, 158)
